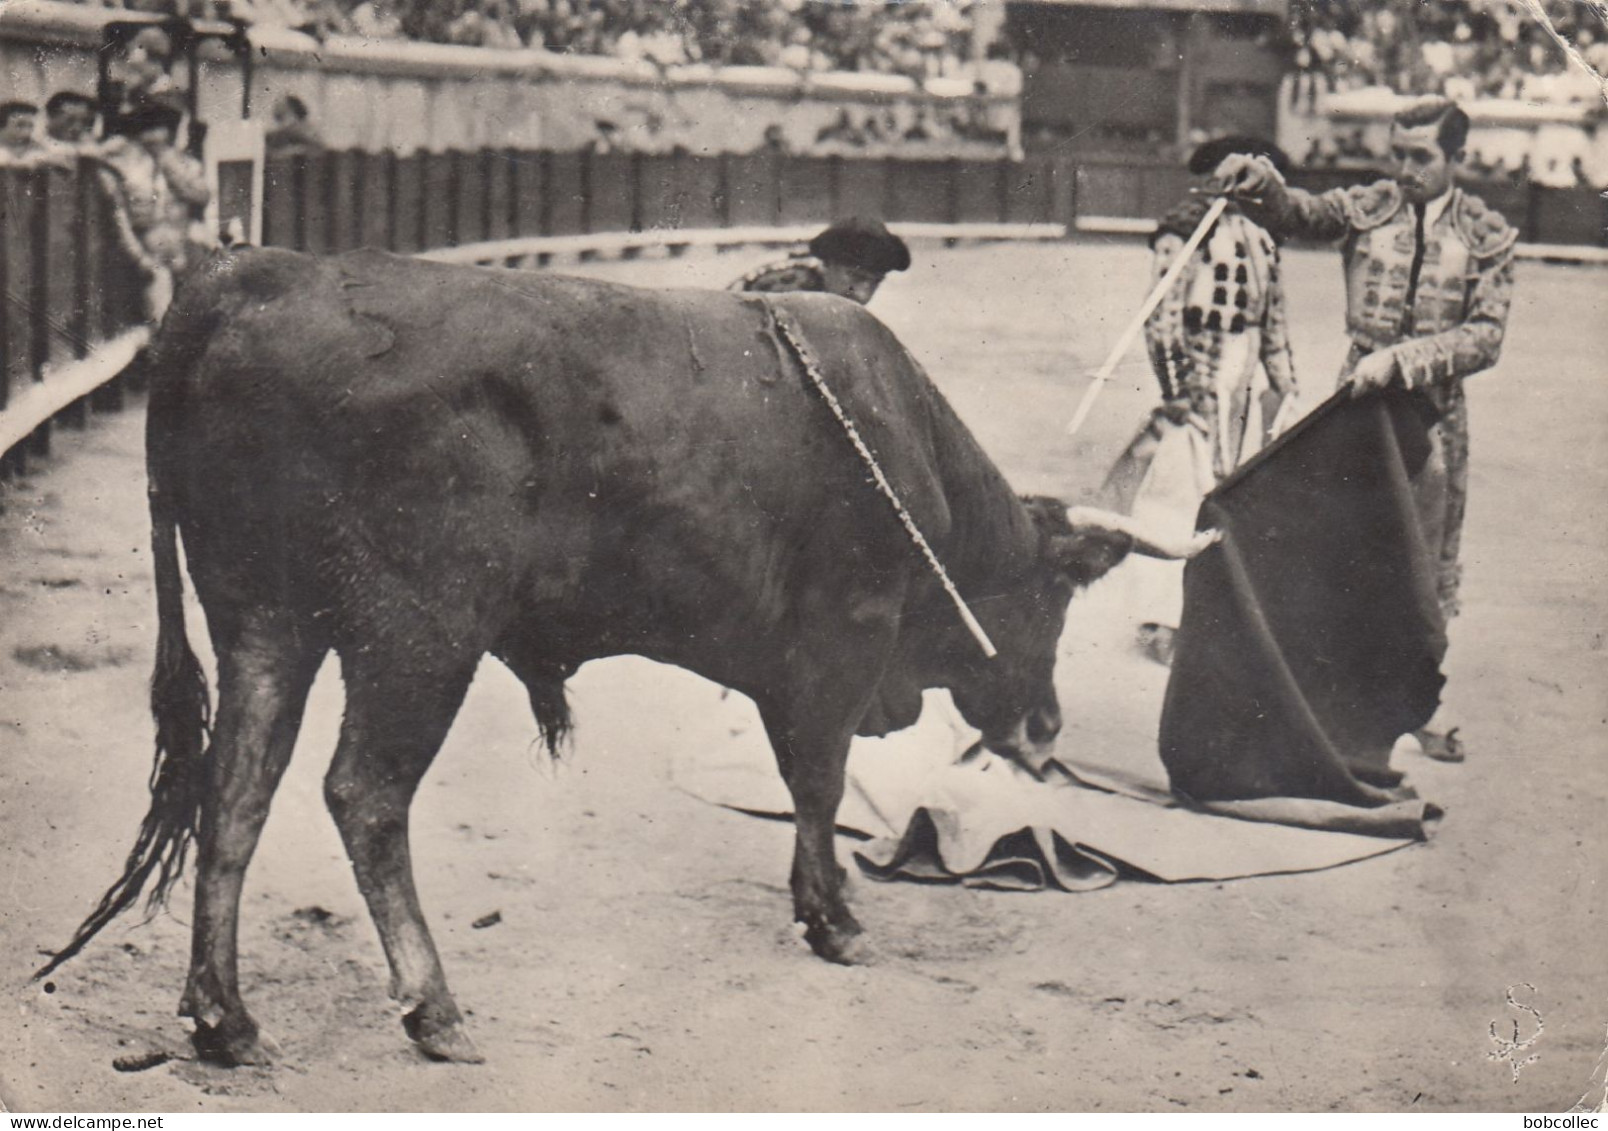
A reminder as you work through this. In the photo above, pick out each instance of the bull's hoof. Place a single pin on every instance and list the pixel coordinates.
(232, 1043)
(842, 943)
(451, 1045)
(441, 1040)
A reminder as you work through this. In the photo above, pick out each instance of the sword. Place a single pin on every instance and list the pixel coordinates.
(1175, 269)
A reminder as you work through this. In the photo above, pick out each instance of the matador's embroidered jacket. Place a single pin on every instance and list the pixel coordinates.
(1221, 319)
(1465, 284)
(1455, 325)
(800, 273)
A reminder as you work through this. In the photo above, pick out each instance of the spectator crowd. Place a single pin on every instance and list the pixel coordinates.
(917, 38)
(1464, 49)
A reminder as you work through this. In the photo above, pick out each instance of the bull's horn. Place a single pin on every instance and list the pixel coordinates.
(1146, 542)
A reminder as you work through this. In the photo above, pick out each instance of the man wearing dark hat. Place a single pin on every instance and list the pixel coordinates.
(1429, 279)
(1220, 350)
(850, 258)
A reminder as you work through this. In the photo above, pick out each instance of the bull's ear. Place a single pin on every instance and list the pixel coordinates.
(1088, 554)
(1082, 543)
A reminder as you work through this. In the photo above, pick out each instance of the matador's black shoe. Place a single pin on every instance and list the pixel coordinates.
(1441, 747)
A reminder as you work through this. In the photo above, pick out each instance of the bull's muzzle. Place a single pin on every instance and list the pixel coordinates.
(1029, 745)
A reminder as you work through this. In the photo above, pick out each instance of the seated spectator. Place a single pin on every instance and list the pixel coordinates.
(874, 130)
(775, 140)
(269, 13)
(1321, 154)
(975, 124)
(376, 19)
(491, 24)
(799, 52)
(607, 139)
(1553, 153)
(1460, 88)
(651, 43)
(851, 258)
(842, 130)
(323, 18)
(161, 192)
(292, 132)
(18, 146)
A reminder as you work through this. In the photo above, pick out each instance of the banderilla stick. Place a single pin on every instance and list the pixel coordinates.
(794, 338)
(1229, 195)
(1175, 269)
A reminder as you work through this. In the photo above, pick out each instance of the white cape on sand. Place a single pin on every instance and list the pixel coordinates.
(1103, 810)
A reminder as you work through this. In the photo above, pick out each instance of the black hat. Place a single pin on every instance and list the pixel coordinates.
(1210, 154)
(866, 244)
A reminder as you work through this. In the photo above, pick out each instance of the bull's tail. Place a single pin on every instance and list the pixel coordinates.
(180, 705)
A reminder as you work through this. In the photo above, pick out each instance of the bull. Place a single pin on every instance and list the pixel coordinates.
(415, 465)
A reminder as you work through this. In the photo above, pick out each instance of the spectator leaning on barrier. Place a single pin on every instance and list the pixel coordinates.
(1429, 278)
(162, 192)
(70, 123)
(18, 146)
(851, 258)
(377, 19)
(293, 131)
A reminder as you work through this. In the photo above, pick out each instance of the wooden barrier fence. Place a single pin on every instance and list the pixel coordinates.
(68, 290)
(338, 200)
(72, 300)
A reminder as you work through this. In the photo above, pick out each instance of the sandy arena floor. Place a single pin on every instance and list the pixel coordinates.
(644, 959)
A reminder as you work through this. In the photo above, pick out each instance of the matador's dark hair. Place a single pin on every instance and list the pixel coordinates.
(1453, 121)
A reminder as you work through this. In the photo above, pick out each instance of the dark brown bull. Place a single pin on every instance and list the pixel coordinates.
(415, 465)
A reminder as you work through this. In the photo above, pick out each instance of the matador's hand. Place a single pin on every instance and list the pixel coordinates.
(1176, 410)
(1244, 177)
(1375, 371)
